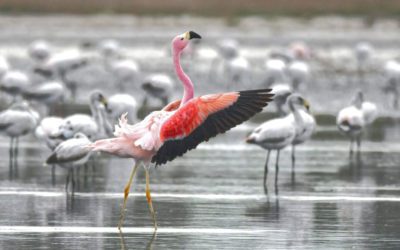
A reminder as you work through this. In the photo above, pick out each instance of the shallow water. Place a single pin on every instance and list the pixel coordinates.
(210, 198)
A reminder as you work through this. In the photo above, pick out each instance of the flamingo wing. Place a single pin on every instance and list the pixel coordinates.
(206, 116)
(172, 106)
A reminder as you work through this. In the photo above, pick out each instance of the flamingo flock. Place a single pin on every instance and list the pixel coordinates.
(170, 126)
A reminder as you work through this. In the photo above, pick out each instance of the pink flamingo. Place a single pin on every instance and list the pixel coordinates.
(180, 126)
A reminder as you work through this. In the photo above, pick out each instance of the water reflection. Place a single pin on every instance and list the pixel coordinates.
(217, 187)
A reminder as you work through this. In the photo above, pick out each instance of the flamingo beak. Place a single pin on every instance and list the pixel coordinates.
(306, 104)
(103, 100)
(250, 140)
(191, 34)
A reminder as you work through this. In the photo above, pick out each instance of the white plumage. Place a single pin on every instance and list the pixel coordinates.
(159, 86)
(47, 93)
(18, 120)
(39, 51)
(281, 92)
(119, 104)
(278, 133)
(275, 70)
(299, 73)
(352, 119)
(70, 154)
(61, 64)
(94, 126)
(14, 82)
(4, 66)
(228, 48)
(125, 72)
(48, 126)
(392, 74)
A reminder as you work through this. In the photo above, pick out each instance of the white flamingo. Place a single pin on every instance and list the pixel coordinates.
(119, 104)
(392, 75)
(94, 126)
(61, 64)
(17, 121)
(159, 86)
(278, 133)
(47, 93)
(275, 71)
(14, 83)
(352, 120)
(71, 154)
(281, 92)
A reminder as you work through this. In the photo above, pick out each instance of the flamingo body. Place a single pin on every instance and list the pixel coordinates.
(305, 131)
(164, 135)
(350, 121)
(180, 126)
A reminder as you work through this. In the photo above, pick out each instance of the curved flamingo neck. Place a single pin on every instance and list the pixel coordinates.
(187, 83)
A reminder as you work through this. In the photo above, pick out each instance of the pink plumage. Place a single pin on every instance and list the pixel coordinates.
(181, 125)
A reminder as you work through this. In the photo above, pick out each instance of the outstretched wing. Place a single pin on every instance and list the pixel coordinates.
(204, 117)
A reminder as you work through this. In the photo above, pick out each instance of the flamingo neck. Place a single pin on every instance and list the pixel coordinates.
(296, 113)
(187, 83)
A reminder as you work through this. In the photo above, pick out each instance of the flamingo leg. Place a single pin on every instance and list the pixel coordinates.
(359, 143)
(149, 201)
(266, 172)
(11, 156)
(293, 157)
(53, 175)
(67, 180)
(277, 169)
(351, 146)
(126, 193)
(73, 180)
(16, 148)
(293, 163)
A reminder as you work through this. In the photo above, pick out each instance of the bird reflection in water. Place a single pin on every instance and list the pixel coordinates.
(149, 245)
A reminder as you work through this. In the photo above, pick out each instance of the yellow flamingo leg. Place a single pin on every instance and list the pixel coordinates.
(126, 193)
(149, 201)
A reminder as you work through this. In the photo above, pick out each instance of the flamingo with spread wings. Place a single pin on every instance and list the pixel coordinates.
(180, 126)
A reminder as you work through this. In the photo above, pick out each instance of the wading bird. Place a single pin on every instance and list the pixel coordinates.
(18, 120)
(392, 75)
(352, 119)
(47, 93)
(159, 86)
(180, 126)
(281, 92)
(71, 154)
(278, 133)
(44, 131)
(14, 82)
(305, 126)
(94, 126)
(119, 104)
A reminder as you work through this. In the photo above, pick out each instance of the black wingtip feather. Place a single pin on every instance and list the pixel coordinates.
(52, 159)
(249, 103)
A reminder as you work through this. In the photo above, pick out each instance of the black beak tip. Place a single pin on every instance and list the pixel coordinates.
(193, 34)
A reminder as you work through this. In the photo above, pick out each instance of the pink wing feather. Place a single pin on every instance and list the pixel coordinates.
(204, 117)
(194, 113)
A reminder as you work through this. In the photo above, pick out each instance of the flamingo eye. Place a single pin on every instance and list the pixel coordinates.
(181, 38)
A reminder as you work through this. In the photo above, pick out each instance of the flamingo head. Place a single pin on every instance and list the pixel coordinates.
(296, 99)
(181, 41)
(96, 97)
